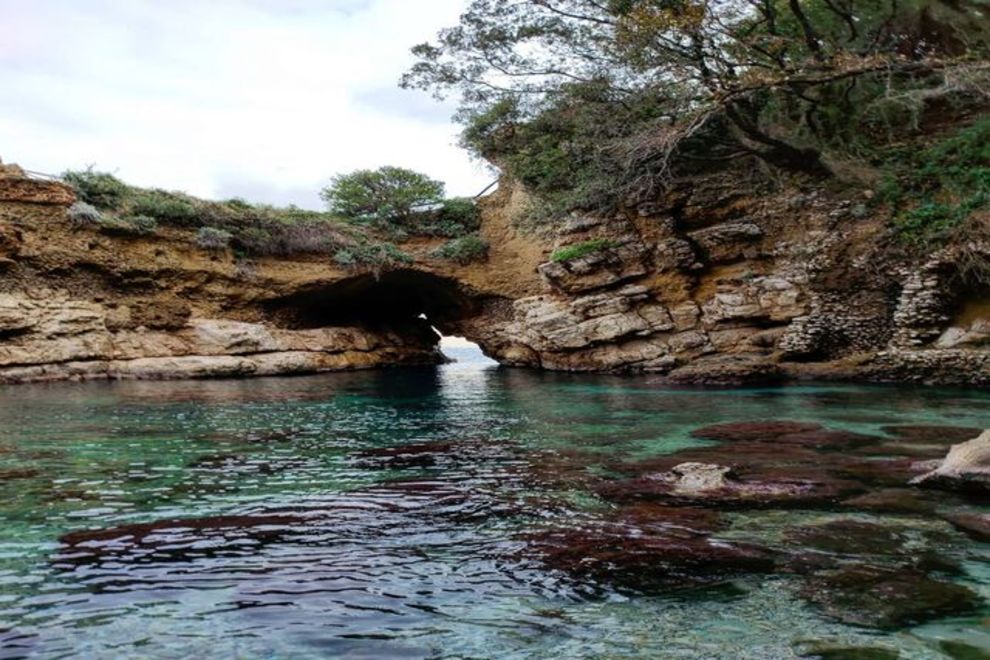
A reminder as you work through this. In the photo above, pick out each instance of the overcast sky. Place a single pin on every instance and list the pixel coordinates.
(261, 99)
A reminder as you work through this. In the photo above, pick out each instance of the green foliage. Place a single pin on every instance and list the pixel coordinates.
(259, 230)
(213, 239)
(167, 207)
(292, 238)
(462, 250)
(239, 204)
(374, 255)
(596, 104)
(388, 194)
(935, 190)
(455, 217)
(136, 225)
(101, 189)
(487, 129)
(82, 214)
(582, 249)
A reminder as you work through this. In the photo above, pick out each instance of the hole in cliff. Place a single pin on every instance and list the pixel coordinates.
(393, 297)
(464, 352)
(407, 301)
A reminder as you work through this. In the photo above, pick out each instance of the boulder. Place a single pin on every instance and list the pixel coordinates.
(728, 371)
(965, 468)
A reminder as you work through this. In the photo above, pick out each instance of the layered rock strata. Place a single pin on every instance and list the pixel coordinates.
(57, 338)
(708, 285)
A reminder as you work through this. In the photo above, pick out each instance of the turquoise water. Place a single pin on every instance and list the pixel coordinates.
(308, 540)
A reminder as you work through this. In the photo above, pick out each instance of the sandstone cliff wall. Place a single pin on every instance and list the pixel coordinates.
(709, 285)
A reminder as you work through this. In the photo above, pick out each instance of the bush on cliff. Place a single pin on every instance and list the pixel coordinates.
(373, 255)
(453, 218)
(164, 206)
(213, 239)
(579, 250)
(82, 214)
(135, 225)
(388, 194)
(260, 230)
(101, 189)
(462, 250)
(934, 191)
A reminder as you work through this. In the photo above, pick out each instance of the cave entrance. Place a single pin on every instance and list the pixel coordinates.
(464, 352)
(969, 313)
(415, 303)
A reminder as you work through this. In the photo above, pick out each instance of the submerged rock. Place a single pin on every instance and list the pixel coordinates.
(891, 500)
(173, 539)
(944, 435)
(963, 651)
(415, 455)
(974, 525)
(717, 485)
(643, 558)
(856, 537)
(886, 598)
(18, 473)
(966, 468)
(800, 434)
(825, 651)
(750, 431)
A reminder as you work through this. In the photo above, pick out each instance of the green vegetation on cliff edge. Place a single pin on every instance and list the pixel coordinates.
(596, 106)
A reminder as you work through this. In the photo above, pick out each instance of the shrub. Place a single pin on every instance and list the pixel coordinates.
(582, 249)
(310, 237)
(211, 238)
(164, 206)
(101, 189)
(935, 190)
(462, 250)
(82, 214)
(461, 210)
(290, 238)
(239, 204)
(376, 255)
(455, 217)
(344, 257)
(387, 194)
(138, 225)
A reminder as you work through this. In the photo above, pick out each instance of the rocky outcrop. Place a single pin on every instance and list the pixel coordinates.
(967, 467)
(706, 286)
(57, 338)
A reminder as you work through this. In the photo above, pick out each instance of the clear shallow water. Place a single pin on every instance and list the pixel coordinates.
(318, 543)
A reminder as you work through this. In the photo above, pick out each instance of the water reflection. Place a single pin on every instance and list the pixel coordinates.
(383, 514)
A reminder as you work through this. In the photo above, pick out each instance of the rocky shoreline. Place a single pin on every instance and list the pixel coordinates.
(711, 288)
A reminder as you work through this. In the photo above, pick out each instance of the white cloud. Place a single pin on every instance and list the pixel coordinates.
(264, 99)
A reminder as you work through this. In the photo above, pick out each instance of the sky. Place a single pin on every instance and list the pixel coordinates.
(259, 99)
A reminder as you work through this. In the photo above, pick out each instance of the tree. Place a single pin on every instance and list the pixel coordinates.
(779, 80)
(388, 194)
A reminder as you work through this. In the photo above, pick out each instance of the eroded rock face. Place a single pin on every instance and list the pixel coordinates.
(57, 338)
(708, 285)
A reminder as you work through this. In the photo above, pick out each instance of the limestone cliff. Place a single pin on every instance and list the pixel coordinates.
(712, 284)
